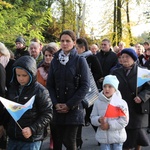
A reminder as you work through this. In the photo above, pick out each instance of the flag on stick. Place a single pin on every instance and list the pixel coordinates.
(114, 108)
(143, 75)
(16, 110)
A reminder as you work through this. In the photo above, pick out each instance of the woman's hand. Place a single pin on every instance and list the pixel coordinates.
(61, 108)
(137, 100)
(26, 132)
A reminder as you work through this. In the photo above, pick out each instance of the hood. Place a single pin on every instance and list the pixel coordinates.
(86, 53)
(27, 63)
(103, 98)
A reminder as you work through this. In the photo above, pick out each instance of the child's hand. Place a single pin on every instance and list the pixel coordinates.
(102, 120)
(104, 126)
(26, 132)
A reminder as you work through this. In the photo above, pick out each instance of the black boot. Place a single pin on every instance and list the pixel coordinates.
(79, 143)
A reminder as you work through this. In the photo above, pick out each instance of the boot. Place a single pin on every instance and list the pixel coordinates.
(79, 143)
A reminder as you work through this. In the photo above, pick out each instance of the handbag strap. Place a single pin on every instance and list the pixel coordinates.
(77, 66)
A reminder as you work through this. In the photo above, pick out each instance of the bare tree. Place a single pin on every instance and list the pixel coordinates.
(128, 22)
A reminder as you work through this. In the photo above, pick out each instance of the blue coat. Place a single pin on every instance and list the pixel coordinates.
(61, 85)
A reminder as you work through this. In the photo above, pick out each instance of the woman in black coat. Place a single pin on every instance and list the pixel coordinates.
(136, 100)
(96, 70)
(66, 95)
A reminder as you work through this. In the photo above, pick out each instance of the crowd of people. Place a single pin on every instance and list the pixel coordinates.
(49, 73)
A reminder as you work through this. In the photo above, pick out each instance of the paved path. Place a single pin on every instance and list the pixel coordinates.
(89, 142)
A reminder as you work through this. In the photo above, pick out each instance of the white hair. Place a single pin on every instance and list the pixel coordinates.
(54, 45)
(3, 50)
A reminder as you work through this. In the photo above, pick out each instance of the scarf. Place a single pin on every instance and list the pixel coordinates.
(63, 58)
(128, 69)
(45, 66)
(43, 73)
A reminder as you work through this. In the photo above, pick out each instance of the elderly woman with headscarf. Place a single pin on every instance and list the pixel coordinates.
(136, 98)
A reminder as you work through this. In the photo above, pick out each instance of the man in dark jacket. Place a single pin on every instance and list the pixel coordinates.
(21, 49)
(107, 58)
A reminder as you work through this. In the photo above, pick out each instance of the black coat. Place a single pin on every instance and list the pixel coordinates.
(9, 72)
(41, 113)
(62, 88)
(2, 80)
(127, 87)
(107, 61)
(147, 64)
(21, 52)
(2, 90)
(94, 65)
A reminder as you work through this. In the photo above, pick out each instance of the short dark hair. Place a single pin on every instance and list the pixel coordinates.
(48, 48)
(145, 43)
(82, 42)
(70, 33)
(106, 40)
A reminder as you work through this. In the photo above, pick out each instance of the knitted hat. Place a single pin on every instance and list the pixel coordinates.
(21, 40)
(112, 80)
(131, 52)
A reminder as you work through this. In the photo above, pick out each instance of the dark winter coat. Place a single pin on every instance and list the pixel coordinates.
(127, 87)
(147, 64)
(2, 80)
(9, 72)
(41, 113)
(107, 61)
(21, 52)
(94, 64)
(2, 90)
(62, 88)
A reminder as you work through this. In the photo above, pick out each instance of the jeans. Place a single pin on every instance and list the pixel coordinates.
(20, 145)
(115, 146)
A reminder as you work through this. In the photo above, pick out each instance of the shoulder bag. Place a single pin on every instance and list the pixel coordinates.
(93, 92)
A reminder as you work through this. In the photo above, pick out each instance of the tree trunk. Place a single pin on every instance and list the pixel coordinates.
(114, 38)
(128, 21)
(119, 22)
(63, 15)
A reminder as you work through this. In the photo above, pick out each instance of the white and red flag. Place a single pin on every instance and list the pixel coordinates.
(115, 108)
